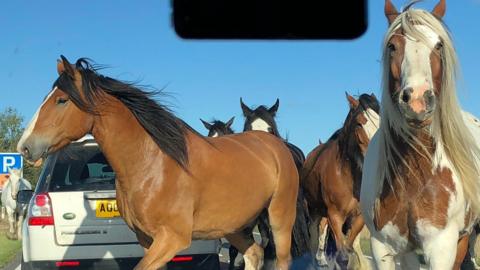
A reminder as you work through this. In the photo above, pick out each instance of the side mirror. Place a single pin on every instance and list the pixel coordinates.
(24, 196)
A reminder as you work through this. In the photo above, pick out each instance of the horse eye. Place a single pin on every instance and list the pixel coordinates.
(439, 46)
(391, 47)
(61, 101)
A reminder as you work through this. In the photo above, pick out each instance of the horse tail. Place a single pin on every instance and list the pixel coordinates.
(300, 248)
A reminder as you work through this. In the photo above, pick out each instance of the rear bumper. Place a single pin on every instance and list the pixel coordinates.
(197, 262)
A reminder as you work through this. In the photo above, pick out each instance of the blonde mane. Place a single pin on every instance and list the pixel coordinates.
(448, 128)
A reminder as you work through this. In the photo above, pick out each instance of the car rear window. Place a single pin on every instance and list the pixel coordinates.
(81, 167)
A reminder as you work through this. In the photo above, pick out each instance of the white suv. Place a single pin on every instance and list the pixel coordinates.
(73, 220)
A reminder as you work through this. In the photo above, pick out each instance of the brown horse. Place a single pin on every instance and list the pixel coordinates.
(332, 177)
(421, 177)
(192, 187)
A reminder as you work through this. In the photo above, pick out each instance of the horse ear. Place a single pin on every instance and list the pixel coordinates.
(273, 110)
(230, 122)
(206, 124)
(352, 101)
(390, 11)
(245, 109)
(64, 66)
(440, 9)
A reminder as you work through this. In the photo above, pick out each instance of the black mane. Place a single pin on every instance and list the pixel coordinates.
(159, 122)
(262, 113)
(349, 147)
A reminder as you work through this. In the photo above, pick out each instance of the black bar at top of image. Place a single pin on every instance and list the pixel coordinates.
(269, 19)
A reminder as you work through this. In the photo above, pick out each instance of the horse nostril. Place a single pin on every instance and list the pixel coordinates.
(406, 94)
(429, 97)
(25, 151)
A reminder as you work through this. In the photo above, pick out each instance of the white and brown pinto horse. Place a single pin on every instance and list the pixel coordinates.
(192, 187)
(421, 177)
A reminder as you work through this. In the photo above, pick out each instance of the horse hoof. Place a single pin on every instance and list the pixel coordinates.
(11, 236)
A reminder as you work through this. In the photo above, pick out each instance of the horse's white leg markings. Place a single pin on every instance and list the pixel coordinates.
(439, 245)
(260, 124)
(11, 221)
(372, 124)
(31, 125)
(215, 135)
(384, 259)
(321, 256)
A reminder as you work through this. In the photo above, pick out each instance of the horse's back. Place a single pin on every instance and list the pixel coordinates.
(251, 142)
(297, 153)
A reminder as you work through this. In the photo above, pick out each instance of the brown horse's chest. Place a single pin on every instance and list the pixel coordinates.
(425, 195)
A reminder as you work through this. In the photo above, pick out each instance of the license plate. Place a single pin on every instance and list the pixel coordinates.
(107, 209)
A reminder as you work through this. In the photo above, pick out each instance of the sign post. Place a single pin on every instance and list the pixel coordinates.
(9, 161)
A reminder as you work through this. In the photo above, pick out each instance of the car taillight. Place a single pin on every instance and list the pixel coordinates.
(182, 259)
(41, 211)
(67, 264)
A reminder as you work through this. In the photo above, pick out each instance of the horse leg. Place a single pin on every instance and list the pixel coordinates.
(20, 225)
(353, 241)
(267, 241)
(252, 252)
(473, 247)
(281, 213)
(3, 209)
(440, 247)
(357, 248)
(336, 221)
(462, 249)
(382, 256)
(232, 253)
(11, 223)
(322, 231)
(166, 244)
(313, 229)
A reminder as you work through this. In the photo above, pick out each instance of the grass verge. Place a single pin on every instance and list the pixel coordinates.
(8, 249)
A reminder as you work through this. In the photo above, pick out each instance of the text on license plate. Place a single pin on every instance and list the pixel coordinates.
(106, 209)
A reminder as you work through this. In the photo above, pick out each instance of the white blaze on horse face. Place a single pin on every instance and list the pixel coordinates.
(372, 124)
(28, 131)
(260, 124)
(416, 67)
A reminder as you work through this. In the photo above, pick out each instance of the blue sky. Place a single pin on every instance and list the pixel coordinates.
(207, 78)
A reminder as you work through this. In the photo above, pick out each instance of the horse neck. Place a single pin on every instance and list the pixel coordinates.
(126, 145)
(129, 148)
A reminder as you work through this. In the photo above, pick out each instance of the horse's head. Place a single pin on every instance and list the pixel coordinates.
(262, 118)
(59, 119)
(218, 128)
(363, 119)
(415, 49)
(14, 179)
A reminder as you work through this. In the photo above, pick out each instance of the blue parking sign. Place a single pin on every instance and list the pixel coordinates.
(10, 160)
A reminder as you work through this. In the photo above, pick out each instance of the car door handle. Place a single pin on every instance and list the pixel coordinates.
(98, 195)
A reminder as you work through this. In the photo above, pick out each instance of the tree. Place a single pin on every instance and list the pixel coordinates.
(10, 132)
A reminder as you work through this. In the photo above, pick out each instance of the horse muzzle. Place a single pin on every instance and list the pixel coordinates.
(416, 108)
(33, 149)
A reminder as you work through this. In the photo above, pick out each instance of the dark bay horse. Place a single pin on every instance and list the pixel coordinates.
(331, 179)
(421, 177)
(218, 128)
(263, 119)
(192, 187)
